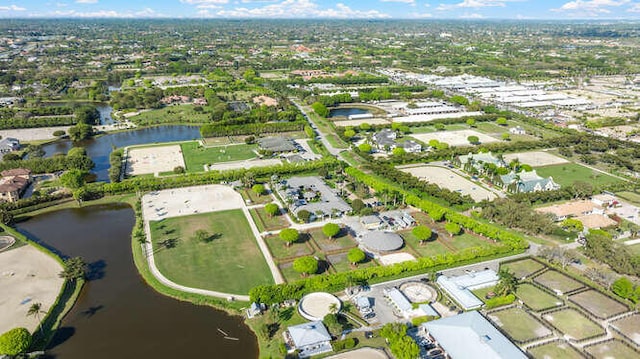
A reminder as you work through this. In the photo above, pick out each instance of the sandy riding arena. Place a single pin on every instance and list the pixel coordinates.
(27, 276)
(535, 158)
(446, 178)
(190, 200)
(154, 159)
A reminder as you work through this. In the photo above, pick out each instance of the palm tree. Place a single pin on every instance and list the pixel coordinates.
(34, 311)
(333, 308)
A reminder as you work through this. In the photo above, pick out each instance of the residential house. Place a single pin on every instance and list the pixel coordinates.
(477, 161)
(411, 146)
(385, 139)
(9, 144)
(13, 184)
(527, 182)
(308, 339)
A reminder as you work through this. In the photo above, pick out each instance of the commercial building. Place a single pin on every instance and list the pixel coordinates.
(459, 288)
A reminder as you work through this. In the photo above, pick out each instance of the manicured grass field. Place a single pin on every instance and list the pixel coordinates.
(568, 173)
(266, 223)
(249, 194)
(341, 263)
(536, 298)
(172, 114)
(519, 324)
(342, 241)
(615, 349)
(630, 326)
(635, 249)
(465, 240)
(598, 304)
(231, 262)
(196, 156)
(523, 268)
(279, 250)
(632, 197)
(556, 349)
(291, 275)
(554, 280)
(571, 322)
(429, 249)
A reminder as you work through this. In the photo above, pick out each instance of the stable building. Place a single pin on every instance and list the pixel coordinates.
(308, 339)
(471, 336)
(459, 288)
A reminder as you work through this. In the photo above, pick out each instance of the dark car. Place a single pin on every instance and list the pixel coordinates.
(368, 335)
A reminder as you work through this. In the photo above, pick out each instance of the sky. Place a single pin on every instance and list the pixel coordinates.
(327, 9)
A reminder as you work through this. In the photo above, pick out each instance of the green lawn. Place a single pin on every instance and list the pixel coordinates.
(523, 268)
(615, 349)
(342, 241)
(429, 249)
(196, 156)
(231, 262)
(598, 304)
(555, 280)
(266, 223)
(464, 240)
(254, 198)
(519, 324)
(280, 251)
(567, 173)
(341, 263)
(536, 298)
(635, 249)
(573, 323)
(172, 114)
(556, 349)
(632, 197)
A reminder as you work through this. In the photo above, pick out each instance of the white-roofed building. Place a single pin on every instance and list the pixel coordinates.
(471, 336)
(308, 339)
(459, 288)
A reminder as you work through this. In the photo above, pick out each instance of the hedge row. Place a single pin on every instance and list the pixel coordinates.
(216, 130)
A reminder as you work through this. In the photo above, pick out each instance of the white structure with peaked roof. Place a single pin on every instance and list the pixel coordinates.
(471, 336)
(308, 339)
(459, 288)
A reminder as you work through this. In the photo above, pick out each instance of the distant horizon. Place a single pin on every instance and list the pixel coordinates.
(536, 10)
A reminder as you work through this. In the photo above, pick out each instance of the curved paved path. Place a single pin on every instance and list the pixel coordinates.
(151, 210)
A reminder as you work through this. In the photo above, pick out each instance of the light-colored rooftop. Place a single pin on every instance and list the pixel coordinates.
(460, 287)
(380, 241)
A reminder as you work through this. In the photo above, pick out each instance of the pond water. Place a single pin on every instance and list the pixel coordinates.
(105, 114)
(100, 147)
(117, 315)
(347, 111)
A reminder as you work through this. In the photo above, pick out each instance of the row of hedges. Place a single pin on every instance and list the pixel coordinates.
(50, 164)
(115, 162)
(12, 123)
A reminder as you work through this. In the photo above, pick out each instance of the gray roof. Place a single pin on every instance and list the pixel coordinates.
(276, 144)
(399, 299)
(460, 287)
(371, 219)
(382, 241)
(329, 199)
(470, 335)
(528, 181)
(309, 334)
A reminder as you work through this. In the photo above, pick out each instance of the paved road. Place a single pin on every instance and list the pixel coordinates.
(332, 150)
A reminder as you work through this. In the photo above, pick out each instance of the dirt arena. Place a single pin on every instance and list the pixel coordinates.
(453, 138)
(535, 158)
(189, 200)
(236, 165)
(27, 276)
(362, 353)
(154, 159)
(445, 178)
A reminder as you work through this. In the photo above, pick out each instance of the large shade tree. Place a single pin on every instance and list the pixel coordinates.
(289, 235)
(305, 265)
(422, 233)
(356, 255)
(331, 230)
(15, 341)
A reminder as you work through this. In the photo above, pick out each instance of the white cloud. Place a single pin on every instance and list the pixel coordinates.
(208, 6)
(412, 2)
(144, 13)
(86, 1)
(471, 16)
(12, 8)
(590, 7)
(475, 4)
(634, 8)
(300, 9)
(198, 2)
(421, 16)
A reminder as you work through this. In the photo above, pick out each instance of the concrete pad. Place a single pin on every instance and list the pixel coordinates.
(189, 200)
(396, 258)
(362, 353)
(446, 178)
(535, 158)
(27, 276)
(225, 166)
(453, 138)
(33, 134)
(154, 159)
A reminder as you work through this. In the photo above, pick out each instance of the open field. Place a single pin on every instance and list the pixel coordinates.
(196, 156)
(230, 261)
(569, 173)
(519, 324)
(536, 298)
(266, 223)
(555, 349)
(341, 263)
(556, 281)
(156, 159)
(632, 197)
(574, 324)
(523, 268)
(250, 197)
(598, 304)
(454, 138)
(279, 250)
(428, 249)
(464, 240)
(630, 326)
(635, 249)
(172, 114)
(27, 276)
(535, 158)
(342, 241)
(446, 178)
(615, 349)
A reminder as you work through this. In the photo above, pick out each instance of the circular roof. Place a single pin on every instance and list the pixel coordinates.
(315, 306)
(382, 241)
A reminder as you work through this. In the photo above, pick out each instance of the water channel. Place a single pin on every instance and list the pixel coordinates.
(117, 315)
(100, 147)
